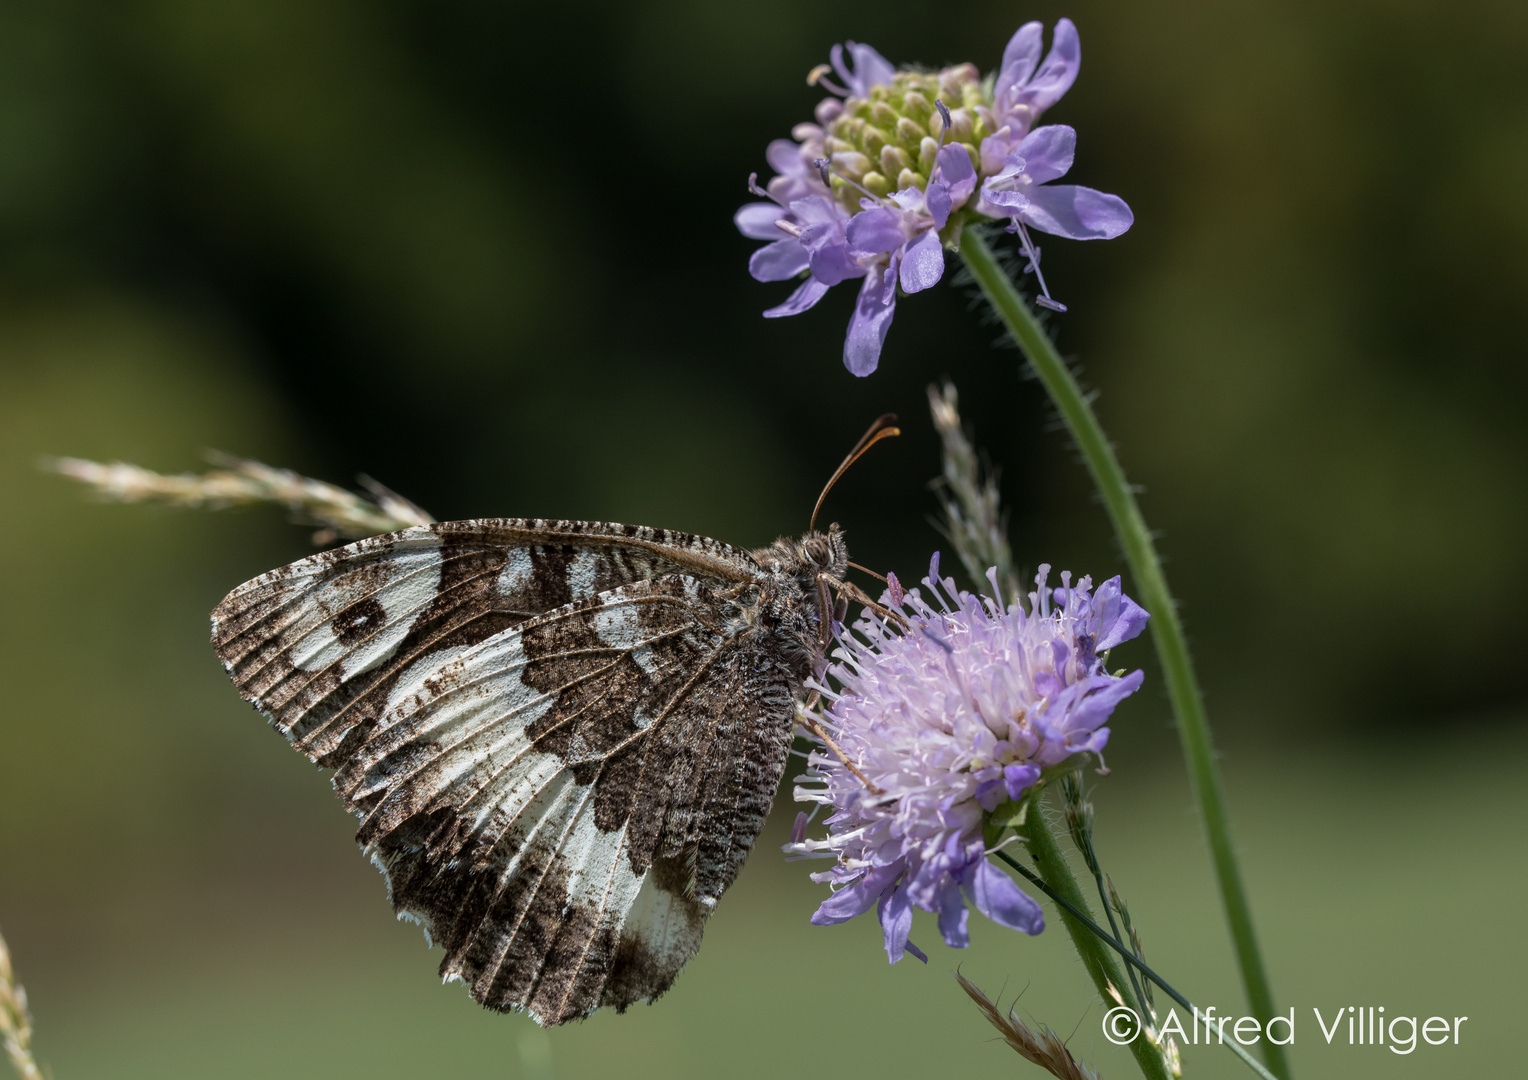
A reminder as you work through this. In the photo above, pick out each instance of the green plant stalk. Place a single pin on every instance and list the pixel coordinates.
(1096, 956)
(1151, 589)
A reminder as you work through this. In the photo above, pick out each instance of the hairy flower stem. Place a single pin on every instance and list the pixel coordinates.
(1152, 591)
(1090, 946)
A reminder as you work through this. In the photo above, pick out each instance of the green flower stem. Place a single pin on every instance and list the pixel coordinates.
(1095, 954)
(1152, 591)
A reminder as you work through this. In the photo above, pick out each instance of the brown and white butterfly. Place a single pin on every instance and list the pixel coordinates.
(562, 737)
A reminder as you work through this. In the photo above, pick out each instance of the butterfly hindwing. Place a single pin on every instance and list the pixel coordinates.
(559, 792)
(589, 800)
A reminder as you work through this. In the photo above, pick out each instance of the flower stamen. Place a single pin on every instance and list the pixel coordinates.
(825, 168)
(1032, 253)
(944, 128)
(818, 77)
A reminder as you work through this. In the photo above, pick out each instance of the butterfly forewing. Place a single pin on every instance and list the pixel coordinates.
(561, 737)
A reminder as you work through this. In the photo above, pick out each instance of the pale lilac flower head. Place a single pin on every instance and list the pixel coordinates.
(888, 175)
(951, 716)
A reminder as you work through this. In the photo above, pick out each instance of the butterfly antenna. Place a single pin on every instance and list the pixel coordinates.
(884, 428)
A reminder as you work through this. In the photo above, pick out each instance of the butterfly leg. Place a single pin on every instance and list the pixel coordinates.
(812, 724)
(860, 596)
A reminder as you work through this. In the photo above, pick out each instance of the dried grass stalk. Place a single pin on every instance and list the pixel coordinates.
(973, 518)
(1044, 1047)
(15, 1020)
(242, 482)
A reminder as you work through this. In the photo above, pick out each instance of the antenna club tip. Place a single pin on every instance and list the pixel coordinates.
(883, 428)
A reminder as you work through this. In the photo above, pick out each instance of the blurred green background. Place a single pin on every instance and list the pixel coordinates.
(483, 252)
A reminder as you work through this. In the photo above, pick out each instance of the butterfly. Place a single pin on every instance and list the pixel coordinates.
(561, 738)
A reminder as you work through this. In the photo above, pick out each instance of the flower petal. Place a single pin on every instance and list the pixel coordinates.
(896, 914)
(817, 210)
(870, 68)
(1059, 71)
(757, 220)
(802, 299)
(856, 899)
(827, 255)
(1021, 56)
(1007, 202)
(922, 263)
(939, 202)
(1048, 152)
(780, 261)
(1119, 617)
(953, 916)
(868, 326)
(989, 794)
(1018, 779)
(996, 896)
(994, 150)
(956, 170)
(784, 156)
(1079, 213)
(1095, 708)
(888, 294)
(874, 232)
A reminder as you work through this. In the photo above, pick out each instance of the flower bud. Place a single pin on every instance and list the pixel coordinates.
(917, 106)
(928, 151)
(910, 131)
(962, 124)
(852, 164)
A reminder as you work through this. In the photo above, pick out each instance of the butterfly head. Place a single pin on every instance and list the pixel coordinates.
(803, 561)
(826, 553)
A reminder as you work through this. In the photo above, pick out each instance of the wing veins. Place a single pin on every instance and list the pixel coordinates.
(679, 694)
(420, 650)
(508, 669)
(498, 772)
(645, 643)
(300, 595)
(615, 865)
(530, 898)
(400, 664)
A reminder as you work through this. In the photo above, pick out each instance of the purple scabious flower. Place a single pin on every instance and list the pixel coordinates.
(950, 716)
(899, 161)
